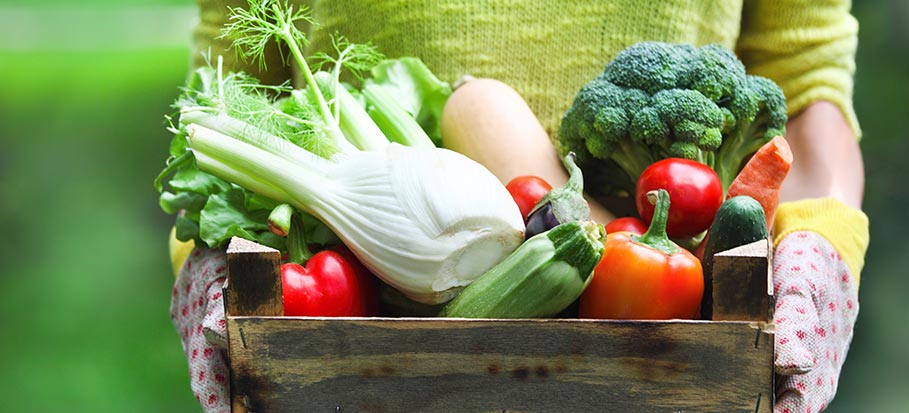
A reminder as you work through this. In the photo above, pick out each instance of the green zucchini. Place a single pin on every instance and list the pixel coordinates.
(739, 221)
(542, 277)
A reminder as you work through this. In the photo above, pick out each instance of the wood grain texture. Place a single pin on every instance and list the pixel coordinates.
(291, 364)
(253, 280)
(285, 364)
(742, 283)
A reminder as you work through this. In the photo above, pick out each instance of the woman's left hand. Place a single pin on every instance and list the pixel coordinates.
(816, 308)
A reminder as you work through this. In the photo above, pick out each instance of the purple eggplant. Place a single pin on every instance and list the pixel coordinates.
(560, 205)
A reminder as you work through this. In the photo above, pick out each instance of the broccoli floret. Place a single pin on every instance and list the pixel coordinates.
(651, 66)
(716, 72)
(658, 100)
(695, 123)
(597, 125)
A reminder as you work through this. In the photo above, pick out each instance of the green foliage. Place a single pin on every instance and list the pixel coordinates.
(85, 281)
(209, 210)
(254, 26)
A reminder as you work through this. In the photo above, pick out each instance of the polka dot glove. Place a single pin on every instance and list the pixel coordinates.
(197, 311)
(816, 307)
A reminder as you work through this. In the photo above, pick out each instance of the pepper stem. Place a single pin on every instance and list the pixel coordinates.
(656, 237)
(297, 248)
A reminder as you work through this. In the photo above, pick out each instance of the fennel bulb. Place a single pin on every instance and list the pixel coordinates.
(427, 221)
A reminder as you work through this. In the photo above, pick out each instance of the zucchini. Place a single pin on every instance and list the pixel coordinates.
(739, 221)
(542, 277)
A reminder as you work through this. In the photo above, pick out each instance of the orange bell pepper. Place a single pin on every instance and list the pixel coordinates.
(646, 277)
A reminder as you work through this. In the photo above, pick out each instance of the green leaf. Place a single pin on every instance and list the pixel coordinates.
(255, 201)
(419, 91)
(179, 145)
(174, 163)
(186, 228)
(269, 239)
(194, 180)
(225, 216)
(172, 203)
(316, 232)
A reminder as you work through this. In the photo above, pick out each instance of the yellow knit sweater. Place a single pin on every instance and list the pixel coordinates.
(548, 49)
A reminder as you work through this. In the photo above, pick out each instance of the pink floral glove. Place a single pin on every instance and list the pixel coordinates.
(816, 307)
(197, 311)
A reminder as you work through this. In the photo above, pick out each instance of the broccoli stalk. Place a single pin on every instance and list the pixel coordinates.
(660, 100)
(759, 122)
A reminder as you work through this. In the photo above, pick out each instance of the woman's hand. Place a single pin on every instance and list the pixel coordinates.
(197, 311)
(816, 307)
(821, 238)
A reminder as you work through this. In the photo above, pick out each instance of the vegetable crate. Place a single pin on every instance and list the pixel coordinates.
(291, 364)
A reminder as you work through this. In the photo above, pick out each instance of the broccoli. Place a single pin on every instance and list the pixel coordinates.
(659, 100)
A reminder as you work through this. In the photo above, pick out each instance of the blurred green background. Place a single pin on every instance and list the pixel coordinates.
(85, 281)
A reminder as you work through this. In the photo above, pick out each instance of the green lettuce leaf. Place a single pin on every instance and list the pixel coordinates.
(419, 91)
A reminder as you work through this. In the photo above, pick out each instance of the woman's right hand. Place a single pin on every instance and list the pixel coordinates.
(197, 312)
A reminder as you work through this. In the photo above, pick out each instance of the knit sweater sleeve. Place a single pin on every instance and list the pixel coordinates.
(806, 46)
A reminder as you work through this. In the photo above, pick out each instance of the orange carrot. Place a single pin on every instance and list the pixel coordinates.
(761, 178)
(763, 175)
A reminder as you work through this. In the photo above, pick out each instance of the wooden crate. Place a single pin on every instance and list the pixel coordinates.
(294, 364)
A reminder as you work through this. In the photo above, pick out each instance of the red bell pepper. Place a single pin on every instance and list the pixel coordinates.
(646, 276)
(333, 282)
(330, 285)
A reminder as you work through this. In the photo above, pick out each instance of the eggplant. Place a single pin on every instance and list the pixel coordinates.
(560, 205)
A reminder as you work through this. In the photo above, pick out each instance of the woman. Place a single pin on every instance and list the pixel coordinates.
(548, 50)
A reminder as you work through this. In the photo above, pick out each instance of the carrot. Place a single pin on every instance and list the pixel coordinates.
(763, 175)
(761, 178)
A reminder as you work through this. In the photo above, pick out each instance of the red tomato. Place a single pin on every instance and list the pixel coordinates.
(630, 224)
(329, 286)
(695, 194)
(527, 191)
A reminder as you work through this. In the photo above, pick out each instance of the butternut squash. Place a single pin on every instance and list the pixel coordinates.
(489, 122)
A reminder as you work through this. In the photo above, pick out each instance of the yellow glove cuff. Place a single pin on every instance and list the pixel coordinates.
(845, 227)
(179, 251)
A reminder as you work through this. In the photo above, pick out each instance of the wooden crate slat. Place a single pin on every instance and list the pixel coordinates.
(393, 365)
(742, 283)
(253, 285)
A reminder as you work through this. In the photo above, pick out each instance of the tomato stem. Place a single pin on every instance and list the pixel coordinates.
(656, 237)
